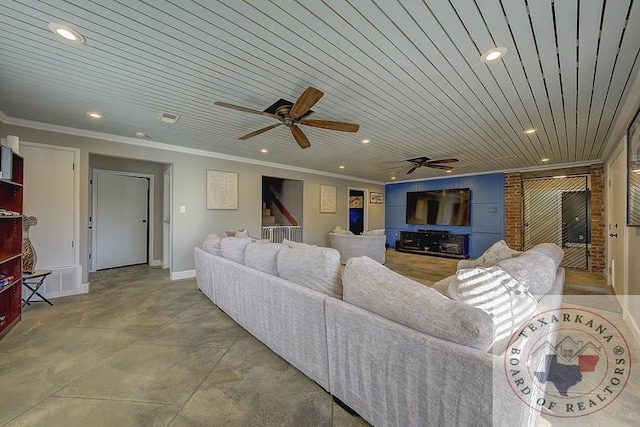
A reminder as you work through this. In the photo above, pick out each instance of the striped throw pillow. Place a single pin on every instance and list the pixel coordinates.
(495, 291)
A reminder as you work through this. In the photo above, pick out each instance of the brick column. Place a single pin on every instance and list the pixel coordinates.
(598, 227)
(513, 210)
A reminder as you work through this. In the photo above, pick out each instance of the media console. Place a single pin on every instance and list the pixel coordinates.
(430, 242)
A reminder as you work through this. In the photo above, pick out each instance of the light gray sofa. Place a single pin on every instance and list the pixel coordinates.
(390, 373)
(350, 246)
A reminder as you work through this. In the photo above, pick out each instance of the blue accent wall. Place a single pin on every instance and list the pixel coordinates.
(487, 209)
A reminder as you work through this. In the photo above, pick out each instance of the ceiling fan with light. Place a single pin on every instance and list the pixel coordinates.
(418, 162)
(291, 115)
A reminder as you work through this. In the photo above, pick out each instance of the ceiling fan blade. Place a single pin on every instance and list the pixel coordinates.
(442, 161)
(300, 137)
(412, 169)
(304, 103)
(444, 168)
(245, 109)
(328, 124)
(259, 131)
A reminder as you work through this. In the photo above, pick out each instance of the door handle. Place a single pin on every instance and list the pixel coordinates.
(613, 235)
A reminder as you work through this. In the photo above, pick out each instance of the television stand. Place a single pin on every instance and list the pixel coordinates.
(439, 243)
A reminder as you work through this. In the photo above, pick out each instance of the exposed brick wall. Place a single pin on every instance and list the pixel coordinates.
(513, 210)
(598, 227)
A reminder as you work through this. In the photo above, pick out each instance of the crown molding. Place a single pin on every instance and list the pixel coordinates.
(169, 147)
(527, 169)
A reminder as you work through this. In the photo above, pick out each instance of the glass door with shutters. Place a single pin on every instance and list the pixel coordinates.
(556, 210)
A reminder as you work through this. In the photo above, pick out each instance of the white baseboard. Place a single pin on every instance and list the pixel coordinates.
(156, 263)
(633, 325)
(178, 275)
(83, 288)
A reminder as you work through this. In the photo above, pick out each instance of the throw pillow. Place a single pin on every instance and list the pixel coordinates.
(237, 233)
(373, 287)
(551, 250)
(263, 256)
(495, 291)
(379, 232)
(312, 267)
(292, 244)
(233, 248)
(212, 244)
(534, 270)
(492, 256)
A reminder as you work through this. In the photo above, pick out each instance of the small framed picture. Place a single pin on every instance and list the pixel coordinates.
(376, 198)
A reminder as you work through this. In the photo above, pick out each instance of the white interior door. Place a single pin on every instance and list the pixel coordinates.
(617, 223)
(120, 219)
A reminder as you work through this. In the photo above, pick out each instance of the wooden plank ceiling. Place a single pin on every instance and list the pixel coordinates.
(408, 71)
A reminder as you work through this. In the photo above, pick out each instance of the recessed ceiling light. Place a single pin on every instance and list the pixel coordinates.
(493, 54)
(449, 171)
(341, 167)
(393, 177)
(264, 150)
(141, 135)
(67, 33)
(544, 160)
(94, 115)
(365, 141)
(532, 130)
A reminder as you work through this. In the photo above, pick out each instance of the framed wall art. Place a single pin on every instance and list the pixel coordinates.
(376, 198)
(633, 172)
(222, 190)
(328, 198)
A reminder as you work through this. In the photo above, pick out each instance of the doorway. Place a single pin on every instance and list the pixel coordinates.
(357, 210)
(617, 227)
(556, 210)
(121, 218)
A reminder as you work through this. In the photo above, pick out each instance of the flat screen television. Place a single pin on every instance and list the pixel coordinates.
(439, 207)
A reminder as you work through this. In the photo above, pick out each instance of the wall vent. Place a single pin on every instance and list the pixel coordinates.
(169, 118)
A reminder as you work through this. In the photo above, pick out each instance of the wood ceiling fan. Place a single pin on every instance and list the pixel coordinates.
(291, 115)
(425, 161)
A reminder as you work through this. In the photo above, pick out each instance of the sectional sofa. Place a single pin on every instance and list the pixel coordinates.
(396, 352)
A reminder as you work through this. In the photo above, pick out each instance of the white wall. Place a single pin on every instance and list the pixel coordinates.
(189, 176)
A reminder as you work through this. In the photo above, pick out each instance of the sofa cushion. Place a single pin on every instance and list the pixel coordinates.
(263, 256)
(233, 248)
(551, 250)
(340, 230)
(496, 253)
(495, 291)
(212, 244)
(534, 270)
(313, 267)
(373, 287)
(379, 232)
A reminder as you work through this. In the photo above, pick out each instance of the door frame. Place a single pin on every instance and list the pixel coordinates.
(365, 206)
(621, 204)
(167, 210)
(94, 213)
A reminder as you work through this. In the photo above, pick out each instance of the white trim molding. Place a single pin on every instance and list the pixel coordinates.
(155, 263)
(179, 275)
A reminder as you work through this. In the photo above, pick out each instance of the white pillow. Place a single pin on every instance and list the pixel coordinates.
(379, 232)
(237, 233)
(212, 244)
(293, 244)
(313, 267)
(492, 256)
(263, 256)
(534, 270)
(233, 248)
(495, 291)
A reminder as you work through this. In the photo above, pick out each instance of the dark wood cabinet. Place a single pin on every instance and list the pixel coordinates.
(430, 242)
(10, 243)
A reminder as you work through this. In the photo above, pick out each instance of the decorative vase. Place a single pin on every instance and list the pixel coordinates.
(29, 256)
